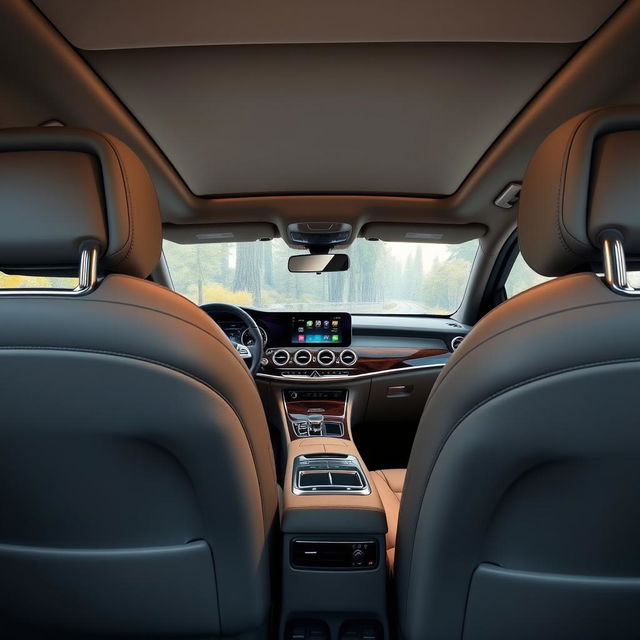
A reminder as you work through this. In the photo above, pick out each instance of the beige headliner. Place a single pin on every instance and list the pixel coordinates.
(44, 78)
(338, 118)
(118, 24)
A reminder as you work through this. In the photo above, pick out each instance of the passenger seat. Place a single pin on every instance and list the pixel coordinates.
(389, 483)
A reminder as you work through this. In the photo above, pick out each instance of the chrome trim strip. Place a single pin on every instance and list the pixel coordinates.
(324, 379)
(87, 278)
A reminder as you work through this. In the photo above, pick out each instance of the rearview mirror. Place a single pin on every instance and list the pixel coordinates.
(322, 263)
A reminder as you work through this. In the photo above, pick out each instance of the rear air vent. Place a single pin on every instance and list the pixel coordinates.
(348, 357)
(326, 357)
(280, 358)
(302, 357)
(455, 342)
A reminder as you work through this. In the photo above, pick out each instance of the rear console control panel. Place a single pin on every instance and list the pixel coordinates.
(334, 554)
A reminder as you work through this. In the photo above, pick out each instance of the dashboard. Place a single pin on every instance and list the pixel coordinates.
(309, 346)
(375, 378)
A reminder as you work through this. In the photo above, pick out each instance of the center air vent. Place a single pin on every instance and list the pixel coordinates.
(302, 357)
(326, 357)
(348, 357)
(280, 358)
(455, 342)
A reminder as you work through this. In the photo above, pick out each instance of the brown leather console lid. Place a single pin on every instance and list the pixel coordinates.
(338, 513)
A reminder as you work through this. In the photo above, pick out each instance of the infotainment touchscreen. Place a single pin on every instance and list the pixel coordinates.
(318, 329)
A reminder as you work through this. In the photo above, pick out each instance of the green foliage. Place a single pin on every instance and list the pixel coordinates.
(383, 278)
(522, 277)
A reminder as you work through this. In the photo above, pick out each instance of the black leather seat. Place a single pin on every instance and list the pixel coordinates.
(137, 481)
(520, 516)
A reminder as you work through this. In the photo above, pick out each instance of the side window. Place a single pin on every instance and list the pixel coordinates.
(8, 281)
(633, 277)
(522, 277)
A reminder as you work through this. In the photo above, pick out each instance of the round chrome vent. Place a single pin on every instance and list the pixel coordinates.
(326, 358)
(455, 342)
(280, 357)
(302, 357)
(348, 357)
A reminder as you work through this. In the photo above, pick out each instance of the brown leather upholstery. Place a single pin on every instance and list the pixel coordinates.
(389, 483)
(326, 513)
(61, 186)
(581, 181)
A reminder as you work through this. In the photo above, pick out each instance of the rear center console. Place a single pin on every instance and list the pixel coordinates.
(328, 473)
(334, 555)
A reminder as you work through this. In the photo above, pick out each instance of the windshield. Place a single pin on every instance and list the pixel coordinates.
(384, 277)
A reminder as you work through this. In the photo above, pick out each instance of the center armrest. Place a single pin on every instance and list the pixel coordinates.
(325, 512)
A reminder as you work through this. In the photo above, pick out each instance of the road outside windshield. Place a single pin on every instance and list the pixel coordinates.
(384, 277)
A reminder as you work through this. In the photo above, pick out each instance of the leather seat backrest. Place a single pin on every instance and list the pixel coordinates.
(520, 515)
(137, 477)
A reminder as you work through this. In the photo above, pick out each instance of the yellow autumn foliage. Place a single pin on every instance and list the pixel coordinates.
(218, 293)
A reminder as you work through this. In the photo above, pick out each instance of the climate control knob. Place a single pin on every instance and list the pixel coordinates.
(358, 555)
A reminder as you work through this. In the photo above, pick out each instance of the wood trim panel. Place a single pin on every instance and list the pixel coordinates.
(334, 408)
(385, 358)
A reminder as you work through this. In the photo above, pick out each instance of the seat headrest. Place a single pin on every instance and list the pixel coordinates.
(60, 187)
(583, 180)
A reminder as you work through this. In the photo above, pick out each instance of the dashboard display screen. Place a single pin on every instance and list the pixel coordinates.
(321, 329)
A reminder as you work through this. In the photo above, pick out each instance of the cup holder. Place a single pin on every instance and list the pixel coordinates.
(328, 474)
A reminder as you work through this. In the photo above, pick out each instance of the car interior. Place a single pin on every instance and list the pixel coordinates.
(316, 319)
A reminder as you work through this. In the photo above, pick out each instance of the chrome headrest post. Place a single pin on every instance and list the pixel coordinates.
(615, 266)
(88, 274)
(87, 278)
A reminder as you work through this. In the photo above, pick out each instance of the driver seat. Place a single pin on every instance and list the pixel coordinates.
(136, 472)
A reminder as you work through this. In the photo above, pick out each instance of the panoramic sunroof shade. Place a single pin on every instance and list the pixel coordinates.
(374, 118)
(284, 96)
(114, 24)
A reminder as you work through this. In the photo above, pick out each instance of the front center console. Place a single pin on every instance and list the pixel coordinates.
(316, 412)
(334, 554)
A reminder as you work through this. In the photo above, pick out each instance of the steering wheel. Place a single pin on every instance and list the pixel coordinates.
(255, 351)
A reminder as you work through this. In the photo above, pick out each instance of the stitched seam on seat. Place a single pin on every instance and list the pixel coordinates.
(130, 231)
(223, 343)
(561, 189)
(386, 479)
(228, 347)
(447, 370)
(579, 125)
(166, 366)
(477, 406)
